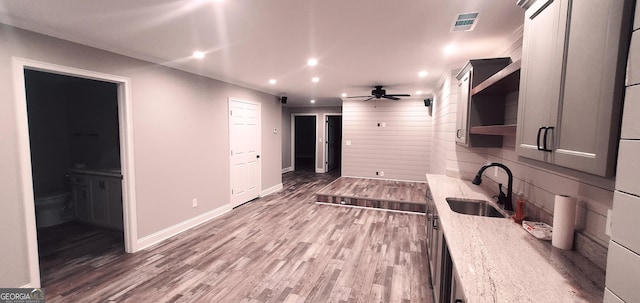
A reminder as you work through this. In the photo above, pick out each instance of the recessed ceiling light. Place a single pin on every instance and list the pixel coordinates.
(315, 79)
(313, 101)
(422, 74)
(449, 49)
(344, 95)
(419, 92)
(312, 62)
(198, 54)
(272, 81)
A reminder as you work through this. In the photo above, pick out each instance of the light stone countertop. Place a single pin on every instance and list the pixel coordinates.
(498, 261)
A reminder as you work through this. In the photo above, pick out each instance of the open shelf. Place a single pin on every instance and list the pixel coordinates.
(505, 81)
(501, 130)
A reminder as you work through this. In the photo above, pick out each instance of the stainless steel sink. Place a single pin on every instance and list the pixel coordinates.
(474, 207)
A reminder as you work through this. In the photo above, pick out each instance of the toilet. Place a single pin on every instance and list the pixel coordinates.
(53, 209)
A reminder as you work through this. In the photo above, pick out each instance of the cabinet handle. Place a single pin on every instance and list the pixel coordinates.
(546, 131)
(459, 301)
(458, 133)
(434, 222)
(538, 137)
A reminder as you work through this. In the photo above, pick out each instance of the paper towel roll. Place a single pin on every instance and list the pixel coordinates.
(564, 218)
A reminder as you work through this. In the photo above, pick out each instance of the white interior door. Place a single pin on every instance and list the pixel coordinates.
(244, 142)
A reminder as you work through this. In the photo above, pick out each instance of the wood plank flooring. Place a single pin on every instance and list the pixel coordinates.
(376, 193)
(281, 248)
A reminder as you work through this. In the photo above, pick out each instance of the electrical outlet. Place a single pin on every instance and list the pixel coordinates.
(381, 174)
(194, 203)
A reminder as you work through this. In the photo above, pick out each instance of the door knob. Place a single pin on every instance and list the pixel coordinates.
(258, 156)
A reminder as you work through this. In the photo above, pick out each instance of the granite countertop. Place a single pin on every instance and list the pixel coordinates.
(105, 172)
(498, 261)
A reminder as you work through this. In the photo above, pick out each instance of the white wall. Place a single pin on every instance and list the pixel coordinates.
(180, 134)
(401, 149)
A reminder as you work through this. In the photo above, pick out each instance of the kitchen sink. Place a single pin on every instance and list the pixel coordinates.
(474, 207)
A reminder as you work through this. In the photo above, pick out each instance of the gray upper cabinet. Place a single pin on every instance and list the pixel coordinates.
(571, 82)
(479, 109)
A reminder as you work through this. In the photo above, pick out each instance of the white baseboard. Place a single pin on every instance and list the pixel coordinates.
(180, 227)
(271, 190)
(320, 170)
(287, 169)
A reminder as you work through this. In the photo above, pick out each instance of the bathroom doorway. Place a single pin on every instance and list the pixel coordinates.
(304, 132)
(57, 199)
(75, 167)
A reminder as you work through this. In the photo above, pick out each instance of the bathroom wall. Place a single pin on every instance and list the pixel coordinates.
(72, 121)
(48, 134)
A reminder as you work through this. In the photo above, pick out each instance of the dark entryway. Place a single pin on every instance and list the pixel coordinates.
(305, 143)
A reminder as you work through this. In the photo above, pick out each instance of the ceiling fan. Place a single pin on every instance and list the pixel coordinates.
(379, 93)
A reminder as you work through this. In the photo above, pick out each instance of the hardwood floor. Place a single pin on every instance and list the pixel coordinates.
(281, 248)
(376, 193)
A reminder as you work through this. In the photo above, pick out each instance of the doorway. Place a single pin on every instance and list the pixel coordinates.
(304, 142)
(333, 144)
(29, 191)
(75, 165)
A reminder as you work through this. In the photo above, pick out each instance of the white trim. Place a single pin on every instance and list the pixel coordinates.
(320, 170)
(293, 139)
(271, 190)
(24, 152)
(171, 231)
(325, 150)
(259, 152)
(372, 208)
(29, 286)
(287, 169)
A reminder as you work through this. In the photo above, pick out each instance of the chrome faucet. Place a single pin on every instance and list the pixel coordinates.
(502, 199)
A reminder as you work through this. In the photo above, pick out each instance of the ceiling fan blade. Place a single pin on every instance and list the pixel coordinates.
(369, 98)
(399, 95)
(390, 97)
(358, 96)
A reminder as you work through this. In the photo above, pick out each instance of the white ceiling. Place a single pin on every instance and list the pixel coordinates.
(358, 43)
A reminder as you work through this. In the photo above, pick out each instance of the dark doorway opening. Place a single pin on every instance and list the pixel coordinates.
(334, 143)
(74, 138)
(305, 143)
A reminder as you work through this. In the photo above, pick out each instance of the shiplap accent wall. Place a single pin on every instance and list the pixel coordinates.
(537, 181)
(401, 149)
(448, 158)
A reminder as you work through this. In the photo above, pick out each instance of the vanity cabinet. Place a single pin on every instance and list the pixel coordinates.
(572, 81)
(98, 199)
(481, 101)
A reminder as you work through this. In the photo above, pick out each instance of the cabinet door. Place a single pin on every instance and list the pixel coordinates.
(540, 76)
(99, 201)
(81, 199)
(593, 84)
(462, 115)
(457, 293)
(114, 189)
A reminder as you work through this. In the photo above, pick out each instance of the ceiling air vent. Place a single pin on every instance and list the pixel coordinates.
(465, 22)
